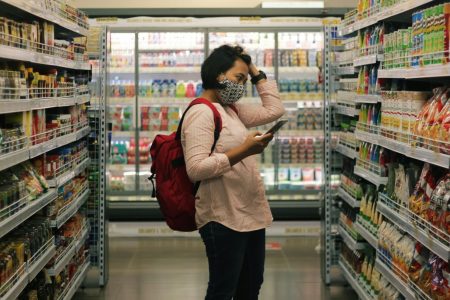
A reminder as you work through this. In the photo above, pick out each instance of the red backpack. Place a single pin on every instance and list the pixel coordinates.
(174, 190)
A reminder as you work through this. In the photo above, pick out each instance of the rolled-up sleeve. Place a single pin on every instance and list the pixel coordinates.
(270, 110)
(198, 138)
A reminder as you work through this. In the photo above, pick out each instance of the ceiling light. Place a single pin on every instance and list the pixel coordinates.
(292, 4)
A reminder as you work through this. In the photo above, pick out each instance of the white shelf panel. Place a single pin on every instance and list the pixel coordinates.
(14, 53)
(347, 110)
(369, 176)
(45, 147)
(349, 152)
(31, 8)
(13, 158)
(77, 280)
(69, 253)
(401, 286)
(367, 136)
(22, 215)
(362, 294)
(385, 14)
(302, 70)
(370, 99)
(421, 154)
(63, 178)
(366, 60)
(345, 70)
(416, 232)
(348, 198)
(83, 99)
(349, 240)
(71, 210)
(412, 73)
(366, 234)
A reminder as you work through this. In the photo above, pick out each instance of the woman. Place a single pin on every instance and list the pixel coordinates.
(231, 209)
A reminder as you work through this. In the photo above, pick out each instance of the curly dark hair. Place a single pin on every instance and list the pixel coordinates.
(219, 61)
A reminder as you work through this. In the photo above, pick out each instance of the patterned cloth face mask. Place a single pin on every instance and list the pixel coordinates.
(232, 91)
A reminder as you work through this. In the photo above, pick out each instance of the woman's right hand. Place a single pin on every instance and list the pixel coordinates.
(256, 142)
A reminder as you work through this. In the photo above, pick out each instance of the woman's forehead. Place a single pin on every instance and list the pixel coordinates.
(239, 67)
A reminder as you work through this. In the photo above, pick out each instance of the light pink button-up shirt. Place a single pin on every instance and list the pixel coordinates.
(233, 196)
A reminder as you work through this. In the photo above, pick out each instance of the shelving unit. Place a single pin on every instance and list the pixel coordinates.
(59, 102)
(403, 145)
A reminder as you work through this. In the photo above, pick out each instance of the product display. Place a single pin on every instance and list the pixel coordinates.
(402, 140)
(425, 43)
(44, 98)
(39, 37)
(19, 247)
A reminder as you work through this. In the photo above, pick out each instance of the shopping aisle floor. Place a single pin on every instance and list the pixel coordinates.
(176, 268)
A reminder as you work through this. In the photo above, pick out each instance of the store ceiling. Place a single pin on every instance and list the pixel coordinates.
(229, 4)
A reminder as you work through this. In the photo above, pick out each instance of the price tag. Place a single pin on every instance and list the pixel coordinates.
(50, 145)
(66, 177)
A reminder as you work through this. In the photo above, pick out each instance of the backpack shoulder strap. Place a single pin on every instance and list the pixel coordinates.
(217, 119)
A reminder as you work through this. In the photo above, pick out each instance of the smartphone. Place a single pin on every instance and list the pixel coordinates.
(277, 126)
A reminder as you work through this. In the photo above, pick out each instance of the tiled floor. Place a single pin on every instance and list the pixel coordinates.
(176, 268)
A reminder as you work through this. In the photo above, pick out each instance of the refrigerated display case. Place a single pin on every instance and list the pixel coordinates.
(154, 72)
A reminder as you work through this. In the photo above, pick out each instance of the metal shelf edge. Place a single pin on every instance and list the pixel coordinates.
(34, 269)
(362, 294)
(368, 236)
(18, 218)
(78, 280)
(394, 280)
(74, 207)
(348, 198)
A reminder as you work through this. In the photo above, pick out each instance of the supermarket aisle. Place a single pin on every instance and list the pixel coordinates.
(175, 268)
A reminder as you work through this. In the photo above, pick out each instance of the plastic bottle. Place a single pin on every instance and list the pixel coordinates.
(172, 88)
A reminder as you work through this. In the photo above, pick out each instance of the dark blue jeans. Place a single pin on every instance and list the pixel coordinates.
(236, 262)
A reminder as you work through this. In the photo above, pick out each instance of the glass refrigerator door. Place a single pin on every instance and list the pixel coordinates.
(261, 47)
(121, 107)
(300, 148)
(169, 78)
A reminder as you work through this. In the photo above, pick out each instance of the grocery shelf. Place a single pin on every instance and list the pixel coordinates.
(70, 209)
(44, 147)
(406, 220)
(346, 96)
(348, 198)
(15, 53)
(412, 73)
(41, 258)
(77, 280)
(155, 70)
(370, 99)
(371, 177)
(346, 110)
(70, 174)
(20, 279)
(29, 210)
(367, 60)
(354, 283)
(349, 240)
(347, 151)
(365, 233)
(48, 15)
(388, 12)
(422, 154)
(13, 158)
(69, 253)
(393, 279)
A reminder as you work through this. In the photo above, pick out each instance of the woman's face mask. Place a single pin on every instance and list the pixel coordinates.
(232, 91)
